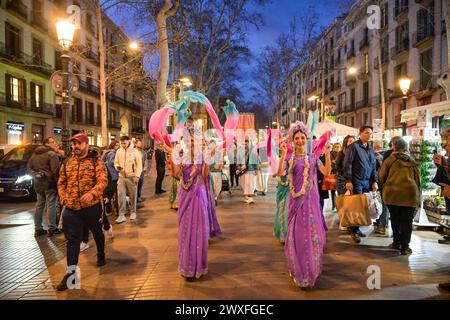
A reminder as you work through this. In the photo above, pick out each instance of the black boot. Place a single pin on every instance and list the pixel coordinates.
(63, 284)
(101, 260)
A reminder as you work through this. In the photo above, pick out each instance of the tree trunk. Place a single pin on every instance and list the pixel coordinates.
(444, 80)
(167, 10)
(101, 52)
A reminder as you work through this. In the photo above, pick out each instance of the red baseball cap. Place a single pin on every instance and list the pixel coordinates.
(80, 137)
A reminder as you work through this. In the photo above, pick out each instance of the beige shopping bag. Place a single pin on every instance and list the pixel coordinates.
(353, 210)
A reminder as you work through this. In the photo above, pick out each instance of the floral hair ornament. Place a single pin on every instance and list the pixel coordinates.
(298, 126)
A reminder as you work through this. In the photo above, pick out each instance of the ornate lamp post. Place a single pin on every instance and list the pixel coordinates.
(405, 83)
(65, 31)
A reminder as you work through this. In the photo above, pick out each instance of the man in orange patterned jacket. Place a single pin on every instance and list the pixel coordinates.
(82, 180)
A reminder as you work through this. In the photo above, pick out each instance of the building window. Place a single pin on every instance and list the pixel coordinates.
(79, 109)
(341, 102)
(365, 118)
(12, 40)
(366, 93)
(113, 116)
(37, 132)
(366, 63)
(37, 95)
(353, 122)
(15, 90)
(352, 99)
(89, 112)
(37, 52)
(384, 15)
(426, 67)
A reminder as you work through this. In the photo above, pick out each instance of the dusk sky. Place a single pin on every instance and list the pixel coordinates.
(277, 15)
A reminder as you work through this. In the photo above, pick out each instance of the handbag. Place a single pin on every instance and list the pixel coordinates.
(353, 210)
(329, 182)
(374, 204)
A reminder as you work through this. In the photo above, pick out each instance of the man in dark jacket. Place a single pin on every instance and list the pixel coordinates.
(360, 170)
(160, 157)
(44, 167)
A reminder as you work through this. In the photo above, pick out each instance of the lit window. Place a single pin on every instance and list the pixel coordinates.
(15, 89)
(37, 97)
(366, 63)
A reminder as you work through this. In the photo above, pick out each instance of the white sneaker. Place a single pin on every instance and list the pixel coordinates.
(250, 200)
(84, 246)
(133, 216)
(110, 232)
(121, 219)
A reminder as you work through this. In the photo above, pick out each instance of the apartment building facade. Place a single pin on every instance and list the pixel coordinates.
(344, 70)
(30, 53)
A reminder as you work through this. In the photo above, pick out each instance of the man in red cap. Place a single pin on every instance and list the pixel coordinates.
(82, 180)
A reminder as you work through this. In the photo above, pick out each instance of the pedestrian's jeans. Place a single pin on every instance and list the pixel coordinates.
(46, 199)
(160, 172)
(359, 187)
(140, 184)
(126, 186)
(402, 224)
(233, 175)
(73, 223)
(383, 219)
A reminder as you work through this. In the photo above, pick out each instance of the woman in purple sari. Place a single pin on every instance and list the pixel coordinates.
(193, 220)
(306, 235)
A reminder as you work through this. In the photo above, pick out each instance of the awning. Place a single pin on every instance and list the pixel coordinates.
(337, 128)
(437, 109)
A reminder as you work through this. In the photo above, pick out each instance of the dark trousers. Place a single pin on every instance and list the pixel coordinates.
(140, 185)
(105, 223)
(111, 194)
(402, 224)
(73, 224)
(359, 187)
(333, 199)
(233, 175)
(160, 172)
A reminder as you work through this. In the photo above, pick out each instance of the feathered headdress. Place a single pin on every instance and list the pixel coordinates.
(296, 127)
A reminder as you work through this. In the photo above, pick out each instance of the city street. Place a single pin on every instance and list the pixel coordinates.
(246, 263)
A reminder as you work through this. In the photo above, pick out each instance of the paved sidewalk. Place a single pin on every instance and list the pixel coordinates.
(247, 263)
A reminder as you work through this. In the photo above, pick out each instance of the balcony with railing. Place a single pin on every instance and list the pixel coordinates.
(124, 102)
(350, 107)
(362, 104)
(18, 8)
(92, 56)
(88, 87)
(426, 83)
(25, 61)
(138, 130)
(38, 20)
(422, 34)
(44, 108)
(400, 47)
(401, 9)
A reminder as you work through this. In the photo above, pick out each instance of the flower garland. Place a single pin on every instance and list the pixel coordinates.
(189, 183)
(305, 177)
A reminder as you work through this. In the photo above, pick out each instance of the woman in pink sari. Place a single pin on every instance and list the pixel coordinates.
(306, 231)
(193, 220)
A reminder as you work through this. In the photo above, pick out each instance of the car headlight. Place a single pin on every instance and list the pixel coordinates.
(21, 179)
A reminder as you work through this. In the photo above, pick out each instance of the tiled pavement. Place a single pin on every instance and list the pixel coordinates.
(247, 263)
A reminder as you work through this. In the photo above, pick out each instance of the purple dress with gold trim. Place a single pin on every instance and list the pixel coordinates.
(306, 235)
(193, 225)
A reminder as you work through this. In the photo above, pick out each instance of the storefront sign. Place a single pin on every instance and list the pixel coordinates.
(408, 116)
(423, 118)
(14, 126)
(57, 130)
(377, 125)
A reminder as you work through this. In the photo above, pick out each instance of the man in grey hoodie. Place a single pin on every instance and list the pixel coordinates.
(44, 167)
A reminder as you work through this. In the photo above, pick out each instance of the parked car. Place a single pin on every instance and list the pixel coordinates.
(15, 181)
(5, 148)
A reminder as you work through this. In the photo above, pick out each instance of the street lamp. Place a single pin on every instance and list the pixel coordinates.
(352, 70)
(65, 31)
(405, 83)
(134, 45)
